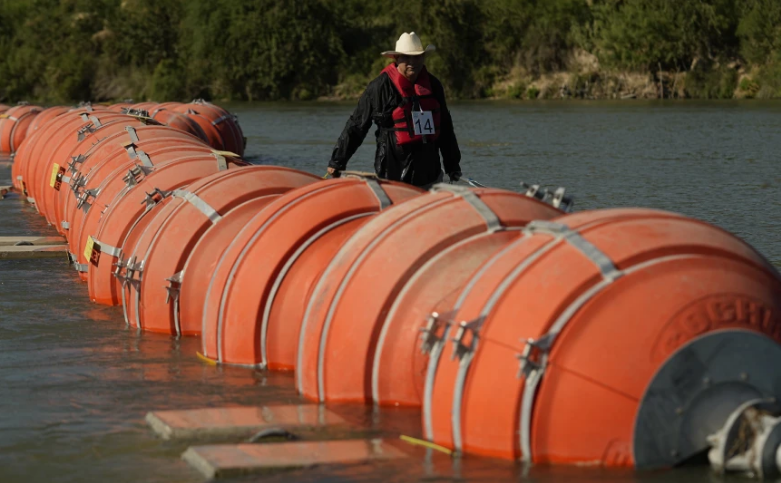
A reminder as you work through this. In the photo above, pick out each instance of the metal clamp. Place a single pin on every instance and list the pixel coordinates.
(85, 195)
(459, 348)
(82, 133)
(530, 357)
(134, 112)
(429, 335)
(135, 175)
(156, 196)
(74, 161)
(556, 198)
(77, 182)
(174, 284)
(173, 290)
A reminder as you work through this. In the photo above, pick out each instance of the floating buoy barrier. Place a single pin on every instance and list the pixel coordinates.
(221, 127)
(238, 324)
(344, 318)
(13, 126)
(43, 117)
(614, 338)
(527, 353)
(137, 193)
(181, 122)
(89, 170)
(152, 267)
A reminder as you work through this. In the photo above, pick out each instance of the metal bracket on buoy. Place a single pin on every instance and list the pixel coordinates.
(459, 348)
(74, 161)
(85, 195)
(82, 133)
(136, 174)
(77, 182)
(530, 357)
(173, 289)
(557, 198)
(156, 196)
(428, 333)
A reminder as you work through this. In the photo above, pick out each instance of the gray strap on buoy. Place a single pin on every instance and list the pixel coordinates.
(199, 204)
(470, 197)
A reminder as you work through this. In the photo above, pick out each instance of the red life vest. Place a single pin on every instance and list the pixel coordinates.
(418, 96)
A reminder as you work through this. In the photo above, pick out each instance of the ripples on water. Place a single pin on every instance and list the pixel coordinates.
(76, 384)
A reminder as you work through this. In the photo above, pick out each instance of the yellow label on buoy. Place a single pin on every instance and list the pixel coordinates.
(3, 116)
(56, 179)
(89, 248)
(227, 154)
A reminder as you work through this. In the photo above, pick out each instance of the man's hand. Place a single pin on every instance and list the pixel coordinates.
(454, 176)
(333, 172)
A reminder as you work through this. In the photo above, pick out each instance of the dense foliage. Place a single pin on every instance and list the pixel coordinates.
(65, 50)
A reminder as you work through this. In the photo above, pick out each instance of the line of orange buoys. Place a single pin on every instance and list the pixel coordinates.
(614, 337)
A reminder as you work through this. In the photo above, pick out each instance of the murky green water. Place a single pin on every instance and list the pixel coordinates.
(75, 385)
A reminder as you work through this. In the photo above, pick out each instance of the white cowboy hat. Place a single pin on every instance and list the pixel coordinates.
(409, 44)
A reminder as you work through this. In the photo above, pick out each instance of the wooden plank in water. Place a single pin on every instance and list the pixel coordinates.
(33, 251)
(226, 461)
(238, 421)
(9, 241)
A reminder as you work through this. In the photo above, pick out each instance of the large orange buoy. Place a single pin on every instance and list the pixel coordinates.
(89, 169)
(45, 116)
(611, 337)
(143, 106)
(119, 106)
(145, 187)
(38, 165)
(4, 108)
(203, 261)
(13, 126)
(345, 315)
(221, 127)
(154, 263)
(179, 121)
(117, 175)
(165, 106)
(30, 152)
(235, 310)
(47, 197)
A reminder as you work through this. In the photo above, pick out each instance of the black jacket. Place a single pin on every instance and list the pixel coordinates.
(419, 163)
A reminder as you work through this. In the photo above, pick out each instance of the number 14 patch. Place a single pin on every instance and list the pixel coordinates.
(423, 122)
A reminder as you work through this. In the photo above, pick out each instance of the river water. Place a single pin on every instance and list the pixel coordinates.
(75, 384)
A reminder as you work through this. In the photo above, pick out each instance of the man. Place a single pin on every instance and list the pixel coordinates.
(413, 123)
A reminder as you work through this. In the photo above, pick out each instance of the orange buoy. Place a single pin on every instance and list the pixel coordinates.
(88, 169)
(103, 125)
(143, 106)
(283, 322)
(13, 126)
(45, 116)
(345, 314)
(145, 187)
(114, 177)
(179, 121)
(204, 258)
(599, 338)
(221, 127)
(119, 106)
(154, 262)
(4, 108)
(51, 136)
(165, 106)
(234, 310)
